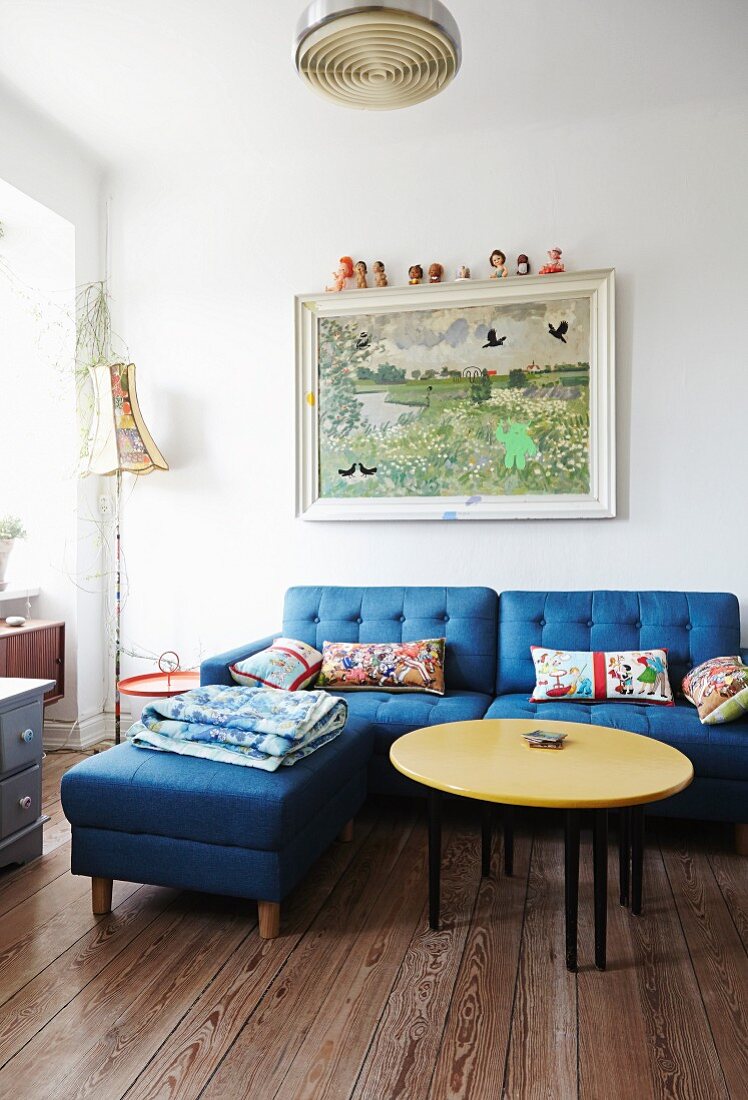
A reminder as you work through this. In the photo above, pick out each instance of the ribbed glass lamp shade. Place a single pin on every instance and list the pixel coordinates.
(377, 57)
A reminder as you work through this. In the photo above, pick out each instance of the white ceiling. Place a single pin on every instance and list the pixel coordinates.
(142, 79)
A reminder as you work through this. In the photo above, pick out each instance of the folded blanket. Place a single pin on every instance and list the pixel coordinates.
(255, 727)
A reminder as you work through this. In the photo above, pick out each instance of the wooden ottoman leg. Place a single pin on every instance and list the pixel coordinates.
(269, 914)
(101, 895)
(741, 840)
(346, 833)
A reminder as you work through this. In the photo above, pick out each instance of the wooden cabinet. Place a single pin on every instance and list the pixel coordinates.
(36, 651)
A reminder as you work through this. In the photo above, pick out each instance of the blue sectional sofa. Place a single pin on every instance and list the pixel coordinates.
(489, 670)
(192, 823)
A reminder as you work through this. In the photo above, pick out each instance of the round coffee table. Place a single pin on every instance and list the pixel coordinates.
(598, 768)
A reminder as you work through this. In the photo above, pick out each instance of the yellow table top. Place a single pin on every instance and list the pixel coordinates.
(490, 760)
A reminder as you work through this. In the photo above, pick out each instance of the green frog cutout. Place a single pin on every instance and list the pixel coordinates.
(517, 443)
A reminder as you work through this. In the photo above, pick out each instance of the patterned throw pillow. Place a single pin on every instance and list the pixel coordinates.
(383, 666)
(636, 676)
(288, 664)
(718, 689)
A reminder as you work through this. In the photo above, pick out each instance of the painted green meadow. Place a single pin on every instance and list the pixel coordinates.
(385, 431)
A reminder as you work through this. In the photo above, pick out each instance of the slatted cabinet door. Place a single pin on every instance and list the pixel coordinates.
(36, 651)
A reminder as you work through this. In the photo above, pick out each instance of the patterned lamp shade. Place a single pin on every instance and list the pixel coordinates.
(121, 440)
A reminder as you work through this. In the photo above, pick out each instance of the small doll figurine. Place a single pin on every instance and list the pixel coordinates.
(380, 275)
(463, 273)
(342, 275)
(554, 264)
(361, 272)
(436, 271)
(415, 274)
(523, 264)
(497, 260)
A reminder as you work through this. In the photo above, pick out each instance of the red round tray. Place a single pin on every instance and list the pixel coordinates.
(154, 684)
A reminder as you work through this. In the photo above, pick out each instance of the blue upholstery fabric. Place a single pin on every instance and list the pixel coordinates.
(718, 752)
(384, 779)
(389, 715)
(693, 626)
(706, 800)
(239, 871)
(136, 790)
(466, 617)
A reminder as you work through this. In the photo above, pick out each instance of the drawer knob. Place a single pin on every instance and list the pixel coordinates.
(25, 802)
(27, 736)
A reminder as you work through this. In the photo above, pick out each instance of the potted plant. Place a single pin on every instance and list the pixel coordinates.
(11, 529)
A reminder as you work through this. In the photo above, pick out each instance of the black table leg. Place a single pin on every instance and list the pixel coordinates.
(637, 858)
(624, 852)
(486, 814)
(571, 885)
(435, 855)
(600, 862)
(508, 840)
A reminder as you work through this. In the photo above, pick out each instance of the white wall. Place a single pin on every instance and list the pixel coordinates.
(47, 164)
(211, 243)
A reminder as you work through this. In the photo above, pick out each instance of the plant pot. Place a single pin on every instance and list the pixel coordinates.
(6, 545)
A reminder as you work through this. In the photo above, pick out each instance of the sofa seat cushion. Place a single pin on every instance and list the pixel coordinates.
(140, 791)
(716, 752)
(391, 715)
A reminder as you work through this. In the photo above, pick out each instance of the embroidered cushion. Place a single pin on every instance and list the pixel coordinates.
(288, 664)
(639, 676)
(388, 666)
(718, 689)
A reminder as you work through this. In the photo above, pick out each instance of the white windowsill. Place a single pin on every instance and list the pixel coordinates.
(18, 592)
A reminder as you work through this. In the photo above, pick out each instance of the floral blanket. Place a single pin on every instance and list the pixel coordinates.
(255, 727)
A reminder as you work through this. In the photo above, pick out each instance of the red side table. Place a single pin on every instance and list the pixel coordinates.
(159, 685)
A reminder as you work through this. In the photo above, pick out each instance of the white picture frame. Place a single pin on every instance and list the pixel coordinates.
(598, 503)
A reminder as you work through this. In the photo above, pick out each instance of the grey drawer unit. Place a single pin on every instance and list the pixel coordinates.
(21, 726)
(20, 737)
(20, 800)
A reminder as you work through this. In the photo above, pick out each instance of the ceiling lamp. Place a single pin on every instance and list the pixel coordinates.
(377, 57)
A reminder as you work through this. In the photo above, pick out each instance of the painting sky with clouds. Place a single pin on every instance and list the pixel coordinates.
(453, 337)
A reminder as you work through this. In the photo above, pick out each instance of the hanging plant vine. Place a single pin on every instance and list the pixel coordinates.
(95, 346)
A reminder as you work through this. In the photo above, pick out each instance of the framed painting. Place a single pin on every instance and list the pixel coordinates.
(486, 399)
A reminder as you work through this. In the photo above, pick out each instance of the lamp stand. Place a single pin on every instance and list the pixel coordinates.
(117, 610)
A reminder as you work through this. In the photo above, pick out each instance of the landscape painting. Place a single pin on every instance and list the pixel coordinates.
(457, 404)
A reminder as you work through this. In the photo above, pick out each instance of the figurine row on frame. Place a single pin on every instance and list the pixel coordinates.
(348, 271)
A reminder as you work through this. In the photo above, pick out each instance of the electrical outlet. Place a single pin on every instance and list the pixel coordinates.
(105, 505)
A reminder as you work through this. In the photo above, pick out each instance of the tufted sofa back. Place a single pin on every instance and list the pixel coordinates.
(693, 626)
(466, 617)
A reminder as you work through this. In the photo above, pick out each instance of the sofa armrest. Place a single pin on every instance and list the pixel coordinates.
(744, 656)
(215, 670)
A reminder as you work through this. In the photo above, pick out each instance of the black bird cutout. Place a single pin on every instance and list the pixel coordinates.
(494, 341)
(559, 331)
(349, 472)
(367, 472)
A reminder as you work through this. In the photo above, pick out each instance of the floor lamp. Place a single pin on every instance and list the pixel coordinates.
(121, 444)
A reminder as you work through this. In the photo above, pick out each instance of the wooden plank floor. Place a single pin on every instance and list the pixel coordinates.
(175, 995)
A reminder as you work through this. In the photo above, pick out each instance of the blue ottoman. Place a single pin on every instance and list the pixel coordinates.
(179, 821)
